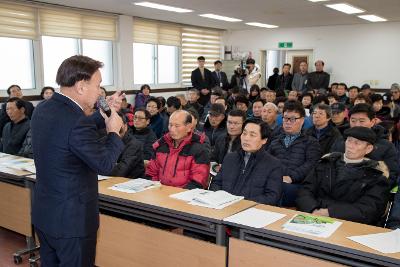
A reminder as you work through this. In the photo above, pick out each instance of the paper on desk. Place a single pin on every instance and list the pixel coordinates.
(255, 217)
(189, 195)
(215, 200)
(135, 185)
(383, 242)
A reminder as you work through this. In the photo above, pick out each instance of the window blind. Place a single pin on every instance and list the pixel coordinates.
(17, 21)
(156, 32)
(66, 23)
(199, 42)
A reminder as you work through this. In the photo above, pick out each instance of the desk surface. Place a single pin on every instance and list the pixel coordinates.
(159, 197)
(339, 237)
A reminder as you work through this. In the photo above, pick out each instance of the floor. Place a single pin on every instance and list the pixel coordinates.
(10, 242)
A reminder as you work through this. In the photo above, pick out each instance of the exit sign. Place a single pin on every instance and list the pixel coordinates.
(286, 45)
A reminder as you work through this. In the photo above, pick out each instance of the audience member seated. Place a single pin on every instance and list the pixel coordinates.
(197, 129)
(231, 141)
(14, 91)
(242, 103)
(267, 95)
(257, 108)
(180, 158)
(245, 172)
(333, 87)
(347, 186)
(215, 93)
(26, 150)
(231, 99)
(215, 124)
(130, 163)
(269, 114)
(221, 100)
(339, 117)
(363, 115)
(341, 93)
(394, 108)
(280, 103)
(153, 105)
(306, 101)
(353, 93)
(254, 93)
(366, 90)
(143, 96)
(319, 78)
(381, 113)
(333, 98)
(14, 131)
(193, 96)
(293, 95)
(128, 110)
(395, 91)
(47, 92)
(361, 98)
(297, 152)
(143, 133)
(324, 130)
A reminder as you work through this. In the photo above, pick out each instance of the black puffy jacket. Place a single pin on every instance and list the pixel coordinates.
(356, 192)
(255, 181)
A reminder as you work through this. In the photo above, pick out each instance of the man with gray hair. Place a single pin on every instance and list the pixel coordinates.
(324, 130)
(395, 91)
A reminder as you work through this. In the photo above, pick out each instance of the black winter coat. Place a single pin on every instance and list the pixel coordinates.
(299, 158)
(221, 148)
(214, 133)
(147, 137)
(355, 192)
(256, 181)
(130, 163)
(330, 136)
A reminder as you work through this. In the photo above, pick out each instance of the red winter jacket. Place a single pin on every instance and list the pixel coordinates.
(178, 166)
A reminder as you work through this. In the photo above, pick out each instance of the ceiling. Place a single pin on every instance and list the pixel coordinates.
(284, 13)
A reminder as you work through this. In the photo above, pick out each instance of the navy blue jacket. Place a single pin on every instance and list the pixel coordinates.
(299, 158)
(68, 156)
(256, 181)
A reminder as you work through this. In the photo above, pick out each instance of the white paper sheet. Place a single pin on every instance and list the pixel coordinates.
(102, 177)
(255, 217)
(135, 185)
(189, 194)
(317, 226)
(383, 242)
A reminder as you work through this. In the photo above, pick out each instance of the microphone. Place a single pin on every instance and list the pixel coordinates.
(103, 105)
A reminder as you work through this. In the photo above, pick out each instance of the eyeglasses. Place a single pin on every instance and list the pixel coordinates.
(292, 120)
(138, 118)
(234, 123)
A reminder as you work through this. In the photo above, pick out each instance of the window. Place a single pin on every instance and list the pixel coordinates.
(155, 64)
(101, 51)
(56, 49)
(16, 65)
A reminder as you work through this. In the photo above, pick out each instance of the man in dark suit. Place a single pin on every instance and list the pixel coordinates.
(68, 156)
(203, 81)
(221, 80)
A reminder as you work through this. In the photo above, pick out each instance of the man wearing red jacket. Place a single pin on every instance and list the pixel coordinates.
(180, 159)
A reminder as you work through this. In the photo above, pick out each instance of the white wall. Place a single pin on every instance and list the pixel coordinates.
(354, 54)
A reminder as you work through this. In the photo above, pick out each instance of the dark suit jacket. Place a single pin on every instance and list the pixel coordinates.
(199, 83)
(224, 80)
(68, 156)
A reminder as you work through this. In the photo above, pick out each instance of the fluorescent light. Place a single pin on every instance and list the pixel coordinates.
(318, 0)
(257, 24)
(213, 16)
(163, 7)
(372, 18)
(346, 8)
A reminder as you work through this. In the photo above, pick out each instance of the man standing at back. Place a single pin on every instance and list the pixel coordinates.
(68, 156)
(319, 78)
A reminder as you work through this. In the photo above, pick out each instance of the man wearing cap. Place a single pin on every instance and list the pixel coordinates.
(339, 117)
(363, 115)
(215, 125)
(347, 185)
(221, 80)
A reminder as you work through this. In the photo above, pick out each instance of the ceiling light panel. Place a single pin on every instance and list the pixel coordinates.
(346, 8)
(218, 17)
(163, 7)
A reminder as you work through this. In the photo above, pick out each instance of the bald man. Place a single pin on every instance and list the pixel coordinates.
(180, 159)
